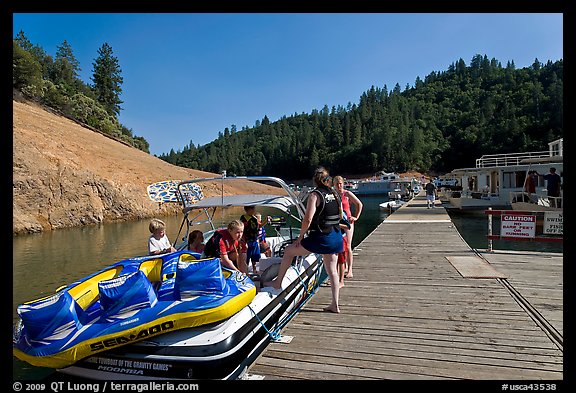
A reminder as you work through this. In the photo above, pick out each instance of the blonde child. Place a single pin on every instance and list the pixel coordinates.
(158, 242)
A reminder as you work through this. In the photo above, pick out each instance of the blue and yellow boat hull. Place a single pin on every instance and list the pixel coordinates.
(129, 301)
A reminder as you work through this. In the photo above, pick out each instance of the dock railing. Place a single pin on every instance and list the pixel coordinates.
(506, 159)
(536, 199)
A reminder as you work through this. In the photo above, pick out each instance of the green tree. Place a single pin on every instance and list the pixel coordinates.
(66, 68)
(107, 79)
(26, 72)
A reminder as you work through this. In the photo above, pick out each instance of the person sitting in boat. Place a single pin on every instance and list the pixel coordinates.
(227, 245)
(264, 246)
(158, 242)
(196, 241)
(322, 220)
(252, 226)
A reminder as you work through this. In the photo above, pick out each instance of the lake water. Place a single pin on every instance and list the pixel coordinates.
(43, 262)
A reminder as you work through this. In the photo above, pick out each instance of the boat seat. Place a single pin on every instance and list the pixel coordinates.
(85, 293)
(200, 277)
(126, 293)
(167, 289)
(57, 315)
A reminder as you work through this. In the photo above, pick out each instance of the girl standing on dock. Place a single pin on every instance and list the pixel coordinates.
(348, 197)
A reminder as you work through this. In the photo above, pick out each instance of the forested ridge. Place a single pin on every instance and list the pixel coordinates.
(444, 121)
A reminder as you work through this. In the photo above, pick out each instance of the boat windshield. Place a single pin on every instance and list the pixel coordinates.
(210, 203)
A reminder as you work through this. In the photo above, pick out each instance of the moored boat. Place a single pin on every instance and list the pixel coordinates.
(225, 349)
(525, 201)
(392, 205)
(131, 300)
(498, 178)
(381, 183)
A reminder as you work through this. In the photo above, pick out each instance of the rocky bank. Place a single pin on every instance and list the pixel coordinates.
(66, 175)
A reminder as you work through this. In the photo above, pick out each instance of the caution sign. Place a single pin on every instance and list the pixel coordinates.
(553, 223)
(514, 225)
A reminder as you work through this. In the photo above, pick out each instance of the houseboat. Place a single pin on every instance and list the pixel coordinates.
(498, 178)
(381, 183)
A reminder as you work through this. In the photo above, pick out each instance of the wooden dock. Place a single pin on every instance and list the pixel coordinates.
(423, 305)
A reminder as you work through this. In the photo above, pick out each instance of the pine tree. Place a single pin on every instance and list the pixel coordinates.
(66, 67)
(107, 80)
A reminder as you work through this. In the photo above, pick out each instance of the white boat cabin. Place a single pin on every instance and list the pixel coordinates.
(497, 176)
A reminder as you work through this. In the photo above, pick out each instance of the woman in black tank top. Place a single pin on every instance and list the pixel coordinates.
(321, 224)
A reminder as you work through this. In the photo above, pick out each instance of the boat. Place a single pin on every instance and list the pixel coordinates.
(381, 183)
(130, 300)
(521, 200)
(350, 185)
(224, 349)
(404, 189)
(497, 178)
(392, 205)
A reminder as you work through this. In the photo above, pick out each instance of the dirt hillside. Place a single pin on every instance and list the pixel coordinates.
(65, 175)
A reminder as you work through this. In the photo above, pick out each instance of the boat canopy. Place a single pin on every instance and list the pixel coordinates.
(280, 202)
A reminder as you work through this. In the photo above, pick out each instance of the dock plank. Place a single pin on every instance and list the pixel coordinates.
(408, 314)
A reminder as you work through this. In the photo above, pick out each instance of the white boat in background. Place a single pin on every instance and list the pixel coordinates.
(381, 183)
(384, 183)
(392, 205)
(351, 185)
(404, 188)
(497, 178)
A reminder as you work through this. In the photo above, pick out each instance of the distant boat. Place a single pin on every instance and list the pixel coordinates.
(498, 178)
(392, 205)
(404, 188)
(380, 183)
(351, 185)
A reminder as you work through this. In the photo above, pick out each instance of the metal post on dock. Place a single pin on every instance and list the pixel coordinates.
(490, 230)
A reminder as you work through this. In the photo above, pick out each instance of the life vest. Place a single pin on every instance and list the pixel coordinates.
(250, 227)
(212, 247)
(328, 214)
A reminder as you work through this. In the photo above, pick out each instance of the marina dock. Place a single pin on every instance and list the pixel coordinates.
(423, 305)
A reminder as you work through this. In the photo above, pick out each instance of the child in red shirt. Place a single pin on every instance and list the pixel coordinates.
(226, 244)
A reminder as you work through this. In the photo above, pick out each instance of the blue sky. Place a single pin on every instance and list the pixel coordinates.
(189, 76)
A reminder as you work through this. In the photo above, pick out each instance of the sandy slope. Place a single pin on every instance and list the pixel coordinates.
(66, 175)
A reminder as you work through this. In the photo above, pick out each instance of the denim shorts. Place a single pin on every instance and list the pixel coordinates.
(323, 243)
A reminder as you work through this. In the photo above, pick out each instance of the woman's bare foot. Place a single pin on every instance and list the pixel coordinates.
(349, 275)
(341, 284)
(332, 309)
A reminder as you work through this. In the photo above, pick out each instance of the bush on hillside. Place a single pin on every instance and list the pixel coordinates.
(89, 111)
